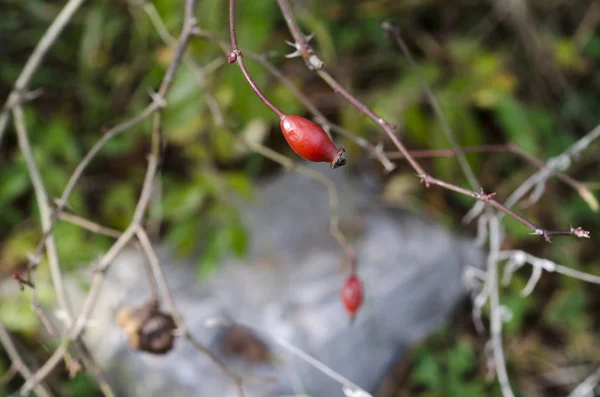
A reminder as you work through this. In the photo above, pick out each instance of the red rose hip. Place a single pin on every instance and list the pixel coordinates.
(352, 295)
(310, 142)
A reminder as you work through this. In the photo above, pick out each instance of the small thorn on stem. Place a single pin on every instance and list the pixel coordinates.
(158, 99)
(484, 197)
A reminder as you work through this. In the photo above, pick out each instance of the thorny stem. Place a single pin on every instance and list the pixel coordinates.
(579, 187)
(307, 53)
(394, 33)
(376, 151)
(236, 56)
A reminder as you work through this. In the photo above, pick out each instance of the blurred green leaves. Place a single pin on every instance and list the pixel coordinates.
(446, 374)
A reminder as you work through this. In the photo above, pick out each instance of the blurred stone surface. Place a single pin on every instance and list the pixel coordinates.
(290, 286)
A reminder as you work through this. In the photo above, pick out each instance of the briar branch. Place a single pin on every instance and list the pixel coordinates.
(237, 56)
(304, 50)
(77, 326)
(578, 186)
(158, 102)
(288, 164)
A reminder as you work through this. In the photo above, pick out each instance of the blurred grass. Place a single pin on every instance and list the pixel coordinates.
(101, 69)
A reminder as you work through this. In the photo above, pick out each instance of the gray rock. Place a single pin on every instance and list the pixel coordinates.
(290, 287)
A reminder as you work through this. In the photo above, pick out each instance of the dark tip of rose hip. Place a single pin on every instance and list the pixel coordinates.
(339, 159)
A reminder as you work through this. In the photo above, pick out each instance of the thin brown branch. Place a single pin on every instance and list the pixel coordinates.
(200, 72)
(81, 321)
(579, 187)
(305, 50)
(158, 102)
(237, 380)
(9, 374)
(19, 91)
(394, 34)
(96, 371)
(314, 63)
(237, 56)
(89, 225)
(158, 275)
(106, 231)
(17, 361)
(34, 379)
(88, 305)
(45, 217)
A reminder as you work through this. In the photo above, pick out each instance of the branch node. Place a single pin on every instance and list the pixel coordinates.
(233, 57)
(158, 99)
(425, 178)
(483, 196)
(34, 260)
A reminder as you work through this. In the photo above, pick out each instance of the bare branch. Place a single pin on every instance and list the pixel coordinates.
(237, 380)
(35, 59)
(307, 53)
(559, 163)
(45, 213)
(81, 321)
(394, 33)
(17, 362)
(496, 312)
(579, 187)
(88, 225)
(236, 56)
(517, 258)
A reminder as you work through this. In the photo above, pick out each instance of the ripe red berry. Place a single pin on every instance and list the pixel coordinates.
(352, 294)
(310, 142)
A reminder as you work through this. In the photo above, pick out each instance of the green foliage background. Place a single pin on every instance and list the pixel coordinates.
(101, 70)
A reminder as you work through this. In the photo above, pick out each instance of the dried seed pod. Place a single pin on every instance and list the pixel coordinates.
(147, 328)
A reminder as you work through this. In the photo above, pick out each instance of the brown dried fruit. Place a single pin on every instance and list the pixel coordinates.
(147, 328)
